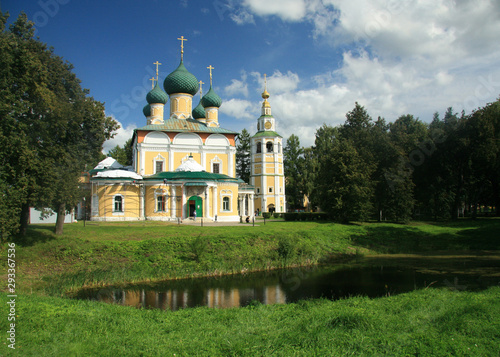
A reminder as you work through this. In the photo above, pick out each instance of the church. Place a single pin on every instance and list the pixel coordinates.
(184, 162)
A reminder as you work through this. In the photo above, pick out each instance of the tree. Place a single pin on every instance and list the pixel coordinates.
(55, 127)
(243, 150)
(293, 164)
(122, 154)
(344, 178)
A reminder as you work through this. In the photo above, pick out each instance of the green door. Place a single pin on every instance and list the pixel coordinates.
(195, 203)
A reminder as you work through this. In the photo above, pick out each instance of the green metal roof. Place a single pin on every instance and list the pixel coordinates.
(147, 110)
(264, 133)
(190, 175)
(211, 99)
(156, 95)
(181, 81)
(199, 111)
(185, 125)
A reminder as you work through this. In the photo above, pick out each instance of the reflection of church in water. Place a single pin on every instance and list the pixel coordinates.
(184, 162)
(175, 299)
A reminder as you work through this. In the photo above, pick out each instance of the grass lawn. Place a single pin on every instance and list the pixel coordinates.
(50, 267)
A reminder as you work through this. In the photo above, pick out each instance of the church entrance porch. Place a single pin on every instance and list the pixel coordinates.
(195, 204)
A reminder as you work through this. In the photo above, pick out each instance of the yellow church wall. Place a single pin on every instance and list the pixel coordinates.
(178, 156)
(258, 159)
(223, 158)
(231, 191)
(130, 201)
(150, 165)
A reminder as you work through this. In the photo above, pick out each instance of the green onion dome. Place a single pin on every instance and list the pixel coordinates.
(156, 95)
(147, 110)
(199, 111)
(181, 81)
(211, 99)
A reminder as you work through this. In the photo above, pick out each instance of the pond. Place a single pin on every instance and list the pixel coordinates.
(371, 276)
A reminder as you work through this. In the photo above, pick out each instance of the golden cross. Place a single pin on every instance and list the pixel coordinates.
(201, 90)
(157, 64)
(265, 82)
(152, 79)
(182, 39)
(210, 68)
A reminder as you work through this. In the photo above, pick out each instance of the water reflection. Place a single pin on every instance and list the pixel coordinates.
(181, 298)
(372, 279)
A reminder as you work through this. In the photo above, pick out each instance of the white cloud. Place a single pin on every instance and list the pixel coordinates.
(238, 86)
(242, 17)
(278, 82)
(289, 10)
(240, 109)
(402, 56)
(122, 135)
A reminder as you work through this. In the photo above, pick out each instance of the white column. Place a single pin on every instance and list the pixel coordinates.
(214, 203)
(183, 203)
(171, 160)
(143, 162)
(142, 212)
(240, 204)
(251, 206)
(173, 202)
(207, 206)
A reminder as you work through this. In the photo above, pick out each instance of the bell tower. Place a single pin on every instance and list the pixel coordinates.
(267, 172)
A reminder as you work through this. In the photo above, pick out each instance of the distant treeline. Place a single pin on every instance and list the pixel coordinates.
(408, 169)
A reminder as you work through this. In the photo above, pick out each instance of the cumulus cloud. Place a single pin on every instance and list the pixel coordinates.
(289, 10)
(240, 109)
(399, 57)
(278, 82)
(122, 135)
(238, 86)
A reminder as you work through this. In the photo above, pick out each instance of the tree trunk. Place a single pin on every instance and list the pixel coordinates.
(61, 213)
(24, 219)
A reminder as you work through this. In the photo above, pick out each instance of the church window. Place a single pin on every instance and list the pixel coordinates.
(259, 147)
(159, 166)
(269, 146)
(118, 204)
(225, 204)
(270, 190)
(279, 148)
(258, 190)
(215, 168)
(160, 204)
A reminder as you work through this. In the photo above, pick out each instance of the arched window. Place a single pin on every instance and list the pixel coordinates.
(269, 146)
(118, 204)
(259, 147)
(279, 148)
(225, 204)
(160, 204)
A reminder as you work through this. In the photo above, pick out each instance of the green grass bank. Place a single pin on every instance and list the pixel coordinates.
(119, 253)
(422, 323)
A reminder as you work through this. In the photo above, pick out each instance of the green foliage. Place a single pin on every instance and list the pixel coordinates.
(293, 165)
(425, 322)
(49, 126)
(243, 149)
(122, 154)
(266, 215)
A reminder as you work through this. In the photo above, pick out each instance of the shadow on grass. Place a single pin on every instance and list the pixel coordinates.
(36, 234)
(475, 235)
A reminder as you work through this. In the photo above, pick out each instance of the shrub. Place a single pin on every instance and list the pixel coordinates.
(277, 215)
(266, 215)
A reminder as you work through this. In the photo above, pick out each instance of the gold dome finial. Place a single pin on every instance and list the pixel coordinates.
(201, 89)
(182, 39)
(265, 94)
(157, 64)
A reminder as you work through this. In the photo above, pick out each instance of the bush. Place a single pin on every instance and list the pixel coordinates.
(277, 215)
(266, 215)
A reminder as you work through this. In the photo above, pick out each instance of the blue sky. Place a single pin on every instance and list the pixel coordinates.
(321, 56)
